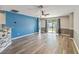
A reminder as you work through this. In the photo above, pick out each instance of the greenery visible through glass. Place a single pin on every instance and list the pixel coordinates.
(53, 27)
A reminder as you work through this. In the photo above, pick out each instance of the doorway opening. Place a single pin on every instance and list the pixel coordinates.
(52, 25)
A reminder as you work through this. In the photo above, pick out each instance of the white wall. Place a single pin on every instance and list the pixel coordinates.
(2, 18)
(76, 27)
(67, 21)
(71, 24)
(64, 22)
(76, 21)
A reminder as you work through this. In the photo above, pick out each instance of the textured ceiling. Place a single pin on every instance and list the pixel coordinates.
(33, 10)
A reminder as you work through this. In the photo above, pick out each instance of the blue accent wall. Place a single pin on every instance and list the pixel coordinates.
(21, 24)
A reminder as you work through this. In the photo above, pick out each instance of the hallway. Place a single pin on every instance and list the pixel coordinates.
(45, 43)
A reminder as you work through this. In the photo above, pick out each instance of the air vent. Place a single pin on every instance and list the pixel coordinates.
(2, 11)
(14, 10)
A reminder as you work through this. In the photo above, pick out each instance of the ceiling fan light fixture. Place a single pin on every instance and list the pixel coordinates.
(14, 10)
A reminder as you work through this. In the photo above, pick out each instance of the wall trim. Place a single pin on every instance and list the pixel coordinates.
(76, 45)
(5, 47)
(23, 36)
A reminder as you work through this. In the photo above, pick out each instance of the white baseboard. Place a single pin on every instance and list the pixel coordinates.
(23, 36)
(76, 46)
(5, 47)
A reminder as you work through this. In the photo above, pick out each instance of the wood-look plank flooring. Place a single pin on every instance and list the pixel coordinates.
(43, 43)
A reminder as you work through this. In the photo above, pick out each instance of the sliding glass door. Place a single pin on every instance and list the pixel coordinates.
(52, 25)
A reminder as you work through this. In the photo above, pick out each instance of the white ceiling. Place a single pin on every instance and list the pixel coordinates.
(33, 10)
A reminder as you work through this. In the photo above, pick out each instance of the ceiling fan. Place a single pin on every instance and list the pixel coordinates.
(43, 11)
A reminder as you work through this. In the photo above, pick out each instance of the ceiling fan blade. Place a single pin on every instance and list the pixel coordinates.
(40, 6)
(46, 14)
(42, 12)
